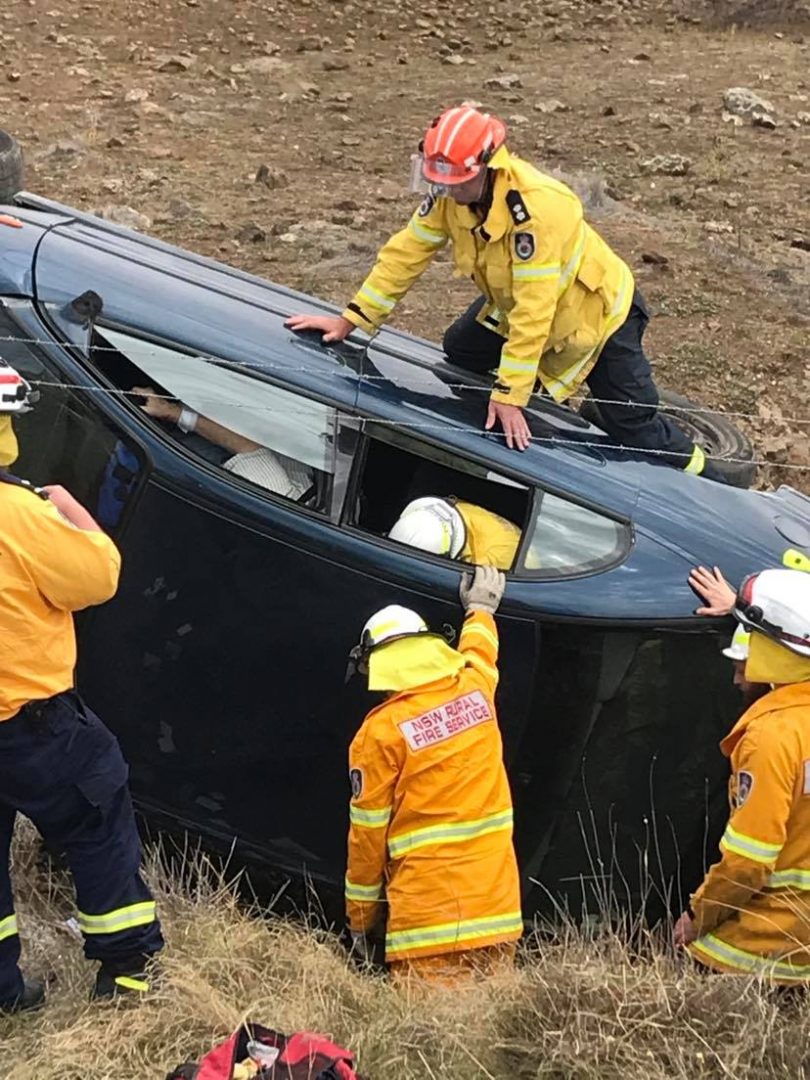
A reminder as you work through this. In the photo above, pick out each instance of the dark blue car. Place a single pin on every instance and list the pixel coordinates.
(220, 664)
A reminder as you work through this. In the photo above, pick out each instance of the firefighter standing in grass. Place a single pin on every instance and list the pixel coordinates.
(430, 843)
(752, 912)
(557, 304)
(59, 765)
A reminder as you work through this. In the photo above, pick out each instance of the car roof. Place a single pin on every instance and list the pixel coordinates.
(397, 378)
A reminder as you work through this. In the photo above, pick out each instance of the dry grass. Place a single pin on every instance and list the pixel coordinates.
(581, 1007)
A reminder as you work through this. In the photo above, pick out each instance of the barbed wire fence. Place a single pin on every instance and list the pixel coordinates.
(429, 385)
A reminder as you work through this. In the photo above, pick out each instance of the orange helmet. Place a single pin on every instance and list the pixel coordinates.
(459, 143)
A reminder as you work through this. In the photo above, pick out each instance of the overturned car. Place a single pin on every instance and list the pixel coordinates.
(220, 664)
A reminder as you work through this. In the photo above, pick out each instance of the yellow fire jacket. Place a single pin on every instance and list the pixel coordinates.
(431, 813)
(753, 908)
(48, 569)
(555, 290)
(492, 540)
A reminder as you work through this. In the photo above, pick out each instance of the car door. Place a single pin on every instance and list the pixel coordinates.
(219, 664)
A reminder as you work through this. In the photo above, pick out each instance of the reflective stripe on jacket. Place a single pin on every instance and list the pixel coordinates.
(753, 908)
(556, 291)
(431, 813)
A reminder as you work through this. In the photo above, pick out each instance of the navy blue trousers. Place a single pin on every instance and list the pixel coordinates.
(622, 374)
(62, 769)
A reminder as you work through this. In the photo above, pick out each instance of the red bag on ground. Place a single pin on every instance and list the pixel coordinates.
(302, 1056)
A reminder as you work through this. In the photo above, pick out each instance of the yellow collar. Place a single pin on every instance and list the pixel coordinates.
(412, 663)
(8, 442)
(783, 697)
(498, 220)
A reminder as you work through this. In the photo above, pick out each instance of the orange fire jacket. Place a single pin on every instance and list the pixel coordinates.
(431, 813)
(753, 908)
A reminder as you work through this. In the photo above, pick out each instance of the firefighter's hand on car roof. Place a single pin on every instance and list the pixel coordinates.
(513, 423)
(482, 591)
(333, 327)
(714, 590)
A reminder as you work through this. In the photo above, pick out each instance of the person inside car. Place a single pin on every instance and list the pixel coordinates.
(250, 460)
(460, 530)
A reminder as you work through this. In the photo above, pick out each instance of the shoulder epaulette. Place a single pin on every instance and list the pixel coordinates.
(15, 481)
(517, 207)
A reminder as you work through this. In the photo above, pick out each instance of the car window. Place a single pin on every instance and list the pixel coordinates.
(273, 438)
(394, 469)
(567, 538)
(64, 439)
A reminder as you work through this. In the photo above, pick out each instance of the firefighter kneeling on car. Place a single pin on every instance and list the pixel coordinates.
(430, 842)
(752, 912)
(59, 765)
(558, 308)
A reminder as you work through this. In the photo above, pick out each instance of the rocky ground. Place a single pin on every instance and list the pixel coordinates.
(275, 135)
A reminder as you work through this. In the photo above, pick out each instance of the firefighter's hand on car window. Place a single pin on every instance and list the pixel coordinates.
(159, 408)
(482, 590)
(512, 421)
(333, 327)
(685, 930)
(714, 590)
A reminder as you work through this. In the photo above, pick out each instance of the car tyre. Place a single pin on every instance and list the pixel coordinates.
(729, 450)
(11, 167)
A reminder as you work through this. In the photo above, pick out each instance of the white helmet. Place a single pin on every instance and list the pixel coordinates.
(15, 392)
(777, 604)
(431, 524)
(388, 624)
(739, 645)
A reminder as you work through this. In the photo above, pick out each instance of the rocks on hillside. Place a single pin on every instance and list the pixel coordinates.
(744, 104)
(667, 165)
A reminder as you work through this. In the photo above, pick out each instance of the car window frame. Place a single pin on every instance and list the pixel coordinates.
(534, 489)
(521, 573)
(342, 419)
(361, 453)
(36, 338)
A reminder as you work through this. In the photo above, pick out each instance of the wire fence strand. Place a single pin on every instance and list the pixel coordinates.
(429, 384)
(430, 426)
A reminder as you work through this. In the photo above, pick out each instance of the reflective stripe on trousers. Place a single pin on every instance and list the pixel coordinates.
(125, 918)
(8, 927)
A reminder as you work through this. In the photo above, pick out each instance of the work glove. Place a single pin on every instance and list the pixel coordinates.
(482, 591)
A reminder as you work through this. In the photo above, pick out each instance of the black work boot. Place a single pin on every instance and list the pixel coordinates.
(126, 978)
(32, 997)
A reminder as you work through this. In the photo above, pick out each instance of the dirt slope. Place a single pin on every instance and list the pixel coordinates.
(171, 109)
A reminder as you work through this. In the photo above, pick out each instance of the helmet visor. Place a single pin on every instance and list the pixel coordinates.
(438, 170)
